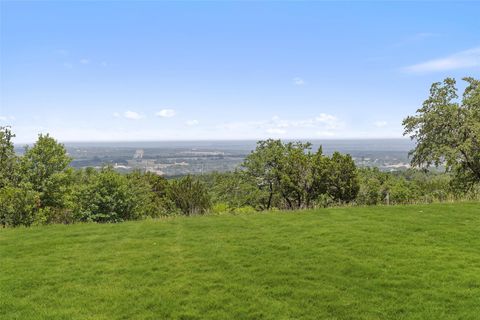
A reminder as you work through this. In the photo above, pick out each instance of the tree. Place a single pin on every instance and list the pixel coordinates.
(302, 175)
(107, 196)
(342, 178)
(235, 189)
(299, 178)
(189, 195)
(447, 130)
(42, 162)
(8, 159)
(264, 165)
(371, 186)
(153, 189)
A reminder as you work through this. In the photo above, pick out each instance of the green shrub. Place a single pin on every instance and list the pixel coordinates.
(189, 195)
(108, 196)
(220, 208)
(18, 206)
(244, 210)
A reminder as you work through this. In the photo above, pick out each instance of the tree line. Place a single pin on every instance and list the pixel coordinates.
(40, 187)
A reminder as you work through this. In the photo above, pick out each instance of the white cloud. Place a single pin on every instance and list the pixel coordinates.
(192, 123)
(380, 124)
(7, 118)
(166, 113)
(324, 123)
(460, 60)
(116, 115)
(276, 131)
(84, 61)
(132, 115)
(298, 81)
(330, 121)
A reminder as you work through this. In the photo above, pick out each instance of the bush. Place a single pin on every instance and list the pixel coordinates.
(190, 196)
(108, 196)
(18, 206)
(244, 210)
(220, 208)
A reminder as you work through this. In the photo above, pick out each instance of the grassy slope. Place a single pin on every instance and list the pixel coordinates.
(412, 262)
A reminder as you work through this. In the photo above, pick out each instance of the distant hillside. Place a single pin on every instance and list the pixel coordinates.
(176, 158)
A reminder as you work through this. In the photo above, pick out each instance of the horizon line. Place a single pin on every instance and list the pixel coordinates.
(220, 140)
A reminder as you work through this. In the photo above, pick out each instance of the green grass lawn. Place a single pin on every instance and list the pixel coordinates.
(405, 262)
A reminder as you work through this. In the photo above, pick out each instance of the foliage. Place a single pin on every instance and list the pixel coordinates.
(234, 189)
(8, 159)
(18, 206)
(263, 166)
(45, 167)
(40, 188)
(447, 131)
(189, 195)
(341, 178)
(111, 197)
(297, 178)
(152, 190)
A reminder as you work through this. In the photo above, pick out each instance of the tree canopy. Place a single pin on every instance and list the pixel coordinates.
(447, 130)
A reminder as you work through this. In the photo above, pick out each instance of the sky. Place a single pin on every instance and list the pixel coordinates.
(150, 70)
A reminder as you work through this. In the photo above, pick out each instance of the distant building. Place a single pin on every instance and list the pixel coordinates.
(138, 154)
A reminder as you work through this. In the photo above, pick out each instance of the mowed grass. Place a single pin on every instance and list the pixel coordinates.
(405, 262)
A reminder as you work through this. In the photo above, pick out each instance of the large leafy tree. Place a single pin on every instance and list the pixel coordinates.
(264, 166)
(447, 130)
(342, 178)
(296, 177)
(8, 159)
(303, 175)
(44, 167)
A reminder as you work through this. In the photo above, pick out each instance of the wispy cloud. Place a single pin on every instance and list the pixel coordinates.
(325, 124)
(192, 123)
(276, 131)
(6, 118)
(416, 38)
(380, 124)
(131, 115)
(461, 60)
(298, 81)
(166, 113)
(84, 61)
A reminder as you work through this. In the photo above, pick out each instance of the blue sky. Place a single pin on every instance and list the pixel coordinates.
(226, 70)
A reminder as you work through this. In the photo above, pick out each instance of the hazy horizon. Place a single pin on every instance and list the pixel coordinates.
(132, 142)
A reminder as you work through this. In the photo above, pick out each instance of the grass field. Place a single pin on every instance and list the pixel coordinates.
(411, 262)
